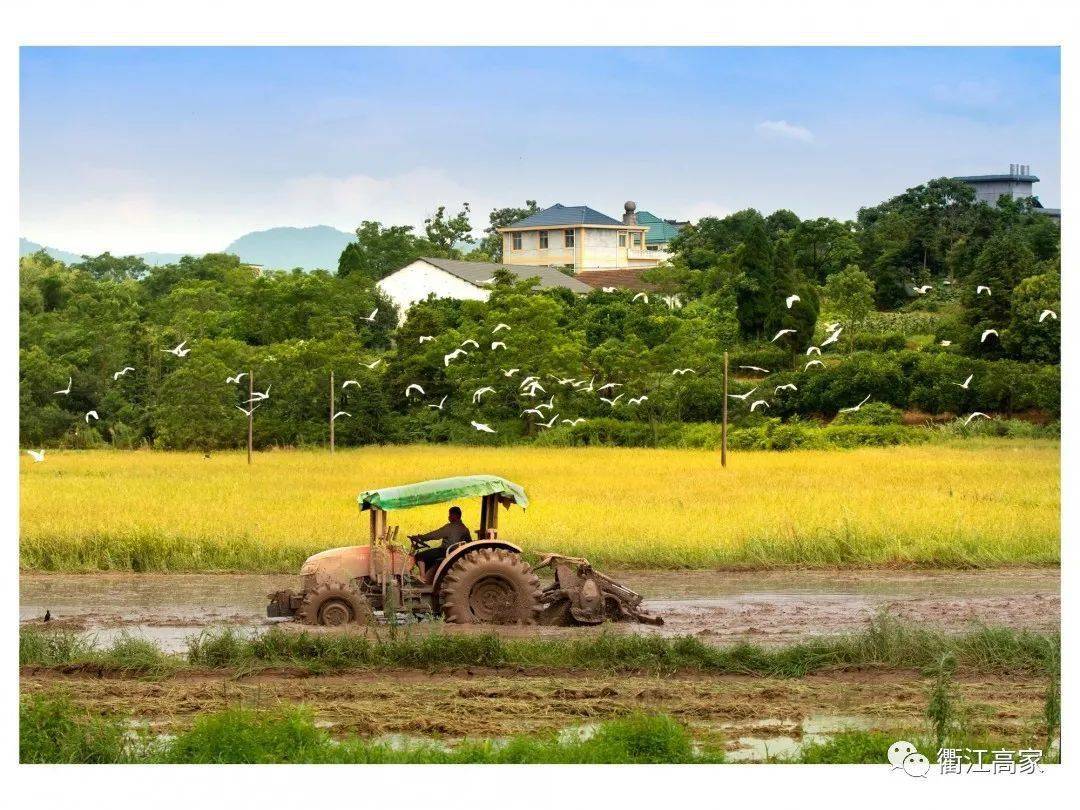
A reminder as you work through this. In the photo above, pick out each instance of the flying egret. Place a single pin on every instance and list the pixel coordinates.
(785, 387)
(347, 383)
(609, 289)
(976, 413)
(610, 402)
(371, 318)
(535, 386)
(641, 295)
(1047, 313)
(248, 411)
(781, 333)
(498, 327)
(413, 387)
(549, 423)
(588, 387)
(510, 372)
(946, 343)
(456, 353)
(372, 364)
(980, 288)
(426, 338)
(475, 345)
(924, 289)
(537, 411)
(89, 414)
(832, 327)
(965, 383)
(611, 385)
(65, 391)
(37, 455)
(636, 400)
(259, 396)
(442, 402)
(339, 413)
(835, 336)
(854, 408)
(758, 369)
(526, 382)
(495, 344)
(118, 374)
(573, 422)
(813, 363)
(756, 402)
(812, 350)
(178, 350)
(482, 427)
(237, 378)
(743, 396)
(680, 371)
(549, 404)
(791, 299)
(987, 334)
(479, 392)
(563, 380)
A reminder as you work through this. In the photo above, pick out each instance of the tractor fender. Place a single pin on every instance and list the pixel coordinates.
(456, 553)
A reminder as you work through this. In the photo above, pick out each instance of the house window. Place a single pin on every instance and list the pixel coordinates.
(515, 241)
(568, 237)
(622, 238)
(543, 240)
(637, 240)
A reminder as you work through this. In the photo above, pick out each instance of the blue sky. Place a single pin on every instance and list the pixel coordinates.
(184, 149)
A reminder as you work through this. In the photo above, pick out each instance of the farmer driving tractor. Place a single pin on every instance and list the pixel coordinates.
(451, 534)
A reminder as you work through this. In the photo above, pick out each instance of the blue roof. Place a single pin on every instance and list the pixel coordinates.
(559, 215)
(660, 231)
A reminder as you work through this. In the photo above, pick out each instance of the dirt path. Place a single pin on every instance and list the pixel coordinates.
(719, 607)
(749, 715)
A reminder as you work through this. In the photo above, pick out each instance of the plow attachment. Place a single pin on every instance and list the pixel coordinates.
(582, 595)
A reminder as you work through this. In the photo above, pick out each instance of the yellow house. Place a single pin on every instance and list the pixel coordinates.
(581, 237)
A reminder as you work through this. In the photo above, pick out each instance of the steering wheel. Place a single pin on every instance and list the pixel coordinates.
(417, 543)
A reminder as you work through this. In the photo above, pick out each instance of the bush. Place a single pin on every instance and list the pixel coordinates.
(884, 342)
(872, 413)
(52, 730)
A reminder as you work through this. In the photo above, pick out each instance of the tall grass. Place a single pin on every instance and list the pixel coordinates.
(52, 729)
(887, 644)
(983, 503)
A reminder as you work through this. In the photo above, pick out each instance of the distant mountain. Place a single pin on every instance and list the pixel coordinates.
(26, 247)
(277, 248)
(286, 248)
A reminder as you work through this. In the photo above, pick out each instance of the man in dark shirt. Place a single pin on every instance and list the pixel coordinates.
(451, 534)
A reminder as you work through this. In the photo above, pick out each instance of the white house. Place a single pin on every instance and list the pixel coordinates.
(468, 281)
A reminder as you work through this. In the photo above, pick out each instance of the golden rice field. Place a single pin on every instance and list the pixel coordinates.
(980, 503)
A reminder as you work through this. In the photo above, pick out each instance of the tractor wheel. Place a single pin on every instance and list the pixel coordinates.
(490, 586)
(334, 605)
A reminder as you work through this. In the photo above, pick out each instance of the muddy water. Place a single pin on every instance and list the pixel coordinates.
(719, 607)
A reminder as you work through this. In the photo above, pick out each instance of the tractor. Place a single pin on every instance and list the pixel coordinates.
(482, 581)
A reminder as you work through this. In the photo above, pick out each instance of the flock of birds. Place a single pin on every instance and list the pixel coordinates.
(531, 387)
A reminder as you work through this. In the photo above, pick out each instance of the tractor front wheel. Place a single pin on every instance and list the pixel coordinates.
(490, 586)
(334, 605)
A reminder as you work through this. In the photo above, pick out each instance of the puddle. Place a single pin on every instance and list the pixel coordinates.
(814, 729)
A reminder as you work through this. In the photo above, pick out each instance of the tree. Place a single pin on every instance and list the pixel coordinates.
(378, 251)
(757, 281)
(117, 268)
(824, 246)
(446, 232)
(1028, 338)
(850, 293)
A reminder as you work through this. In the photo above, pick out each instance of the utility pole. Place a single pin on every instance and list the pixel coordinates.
(723, 424)
(251, 410)
(331, 411)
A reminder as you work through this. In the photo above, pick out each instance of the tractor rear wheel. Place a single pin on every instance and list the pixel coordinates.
(334, 605)
(490, 586)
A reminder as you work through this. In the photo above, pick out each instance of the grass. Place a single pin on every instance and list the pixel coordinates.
(976, 504)
(887, 644)
(52, 729)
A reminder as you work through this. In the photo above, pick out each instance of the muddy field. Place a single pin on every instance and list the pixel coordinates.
(718, 607)
(752, 717)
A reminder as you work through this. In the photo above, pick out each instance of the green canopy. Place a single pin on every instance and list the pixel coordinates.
(441, 490)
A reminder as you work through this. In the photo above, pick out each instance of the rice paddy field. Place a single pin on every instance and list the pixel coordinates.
(976, 503)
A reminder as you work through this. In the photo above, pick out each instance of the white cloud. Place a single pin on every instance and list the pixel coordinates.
(701, 208)
(207, 219)
(782, 129)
